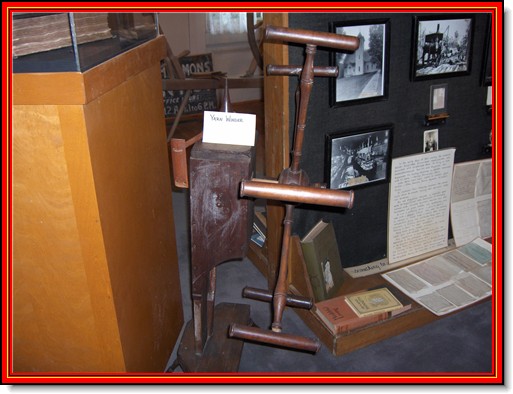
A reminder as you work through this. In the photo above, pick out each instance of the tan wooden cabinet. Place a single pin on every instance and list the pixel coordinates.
(95, 284)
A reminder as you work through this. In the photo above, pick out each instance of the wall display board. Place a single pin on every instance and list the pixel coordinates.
(362, 232)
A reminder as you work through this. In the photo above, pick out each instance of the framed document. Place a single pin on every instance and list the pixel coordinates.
(438, 99)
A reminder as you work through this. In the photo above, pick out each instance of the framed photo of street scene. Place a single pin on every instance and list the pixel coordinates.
(442, 46)
(362, 74)
(359, 157)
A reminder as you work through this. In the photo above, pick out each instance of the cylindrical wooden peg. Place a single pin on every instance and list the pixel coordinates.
(297, 194)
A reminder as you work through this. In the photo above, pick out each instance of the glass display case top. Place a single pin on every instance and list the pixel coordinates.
(60, 42)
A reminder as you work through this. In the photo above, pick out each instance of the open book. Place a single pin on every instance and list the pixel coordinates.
(448, 281)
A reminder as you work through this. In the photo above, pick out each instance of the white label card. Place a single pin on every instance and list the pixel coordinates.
(229, 128)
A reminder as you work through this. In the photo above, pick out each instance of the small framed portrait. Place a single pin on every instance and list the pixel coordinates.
(362, 74)
(442, 46)
(358, 157)
(430, 140)
(438, 99)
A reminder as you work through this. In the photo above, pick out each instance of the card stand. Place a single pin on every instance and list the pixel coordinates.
(299, 284)
(435, 119)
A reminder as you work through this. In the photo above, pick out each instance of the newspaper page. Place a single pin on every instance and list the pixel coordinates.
(448, 281)
(471, 201)
(420, 192)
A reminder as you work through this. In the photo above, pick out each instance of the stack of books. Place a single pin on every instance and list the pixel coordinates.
(345, 313)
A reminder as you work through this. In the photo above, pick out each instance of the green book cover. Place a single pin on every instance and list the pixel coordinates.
(322, 259)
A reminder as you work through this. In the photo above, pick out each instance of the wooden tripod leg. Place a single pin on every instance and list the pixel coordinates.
(204, 295)
(199, 303)
(211, 300)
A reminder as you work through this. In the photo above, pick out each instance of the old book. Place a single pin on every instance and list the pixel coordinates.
(338, 316)
(403, 299)
(322, 260)
(48, 32)
(372, 302)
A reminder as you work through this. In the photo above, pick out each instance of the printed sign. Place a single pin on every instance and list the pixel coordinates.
(200, 100)
(229, 128)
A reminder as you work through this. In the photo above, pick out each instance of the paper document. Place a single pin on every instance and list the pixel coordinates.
(420, 192)
(471, 201)
(449, 281)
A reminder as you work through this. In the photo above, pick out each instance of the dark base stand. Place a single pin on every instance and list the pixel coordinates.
(221, 353)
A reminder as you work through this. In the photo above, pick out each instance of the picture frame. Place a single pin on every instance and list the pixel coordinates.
(486, 77)
(438, 99)
(442, 46)
(358, 157)
(363, 74)
(430, 140)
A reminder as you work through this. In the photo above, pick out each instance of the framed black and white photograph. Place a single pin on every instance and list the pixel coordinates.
(438, 99)
(359, 157)
(362, 74)
(442, 46)
(430, 140)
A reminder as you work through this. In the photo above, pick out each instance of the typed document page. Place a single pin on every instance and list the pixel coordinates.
(471, 201)
(420, 192)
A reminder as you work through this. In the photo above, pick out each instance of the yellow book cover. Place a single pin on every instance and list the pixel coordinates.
(373, 301)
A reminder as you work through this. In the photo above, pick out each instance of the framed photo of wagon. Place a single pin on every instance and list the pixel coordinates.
(442, 46)
(358, 157)
(362, 74)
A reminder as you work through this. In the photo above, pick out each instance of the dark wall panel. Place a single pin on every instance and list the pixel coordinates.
(362, 231)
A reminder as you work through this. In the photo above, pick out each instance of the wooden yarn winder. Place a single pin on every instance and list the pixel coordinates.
(293, 185)
(216, 173)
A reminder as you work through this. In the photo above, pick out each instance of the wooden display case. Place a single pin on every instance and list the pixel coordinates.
(95, 283)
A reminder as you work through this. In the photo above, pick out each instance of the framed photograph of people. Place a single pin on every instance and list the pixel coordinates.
(362, 74)
(438, 99)
(359, 157)
(442, 46)
(430, 140)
